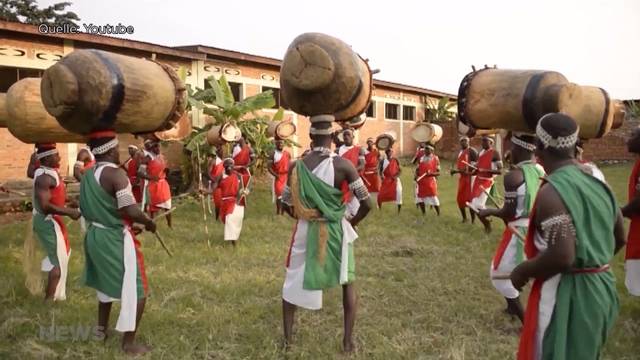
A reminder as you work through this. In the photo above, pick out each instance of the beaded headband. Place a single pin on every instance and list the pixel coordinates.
(44, 154)
(99, 150)
(523, 144)
(561, 142)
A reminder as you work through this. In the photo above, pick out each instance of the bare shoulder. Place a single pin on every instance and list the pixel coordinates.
(548, 202)
(513, 179)
(45, 181)
(114, 178)
(345, 167)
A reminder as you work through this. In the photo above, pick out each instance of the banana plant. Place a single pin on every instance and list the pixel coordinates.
(440, 111)
(218, 102)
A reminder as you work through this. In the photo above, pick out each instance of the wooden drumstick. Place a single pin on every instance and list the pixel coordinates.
(501, 276)
(469, 165)
(162, 243)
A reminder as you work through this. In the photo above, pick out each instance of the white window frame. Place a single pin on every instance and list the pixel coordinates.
(399, 111)
(415, 112)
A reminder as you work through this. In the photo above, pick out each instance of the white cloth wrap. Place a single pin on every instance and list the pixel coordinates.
(129, 294)
(508, 263)
(233, 223)
(292, 290)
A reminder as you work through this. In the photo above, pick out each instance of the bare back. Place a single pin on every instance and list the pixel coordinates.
(343, 169)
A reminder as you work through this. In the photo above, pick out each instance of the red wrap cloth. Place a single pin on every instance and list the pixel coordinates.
(229, 187)
(281, 169)
(159, 191)
(370, 175)
(464, 182)
(388, 187)
(241, 161)
(484, 179)
(428, 186)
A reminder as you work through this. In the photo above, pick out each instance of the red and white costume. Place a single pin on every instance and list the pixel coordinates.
(280, 167)
(370, 174)
(351, 153)
(428, 185)
(391, 188)
(159, 190)
(465, 181)
(242, 158)
(231, 214)
(217, 170)
(484, 179)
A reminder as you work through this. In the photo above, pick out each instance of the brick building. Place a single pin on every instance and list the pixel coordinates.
(24, 52)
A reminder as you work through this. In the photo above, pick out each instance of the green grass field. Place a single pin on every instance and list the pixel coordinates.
(423, 291)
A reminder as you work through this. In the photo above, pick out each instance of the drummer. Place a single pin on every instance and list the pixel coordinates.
(425, 176)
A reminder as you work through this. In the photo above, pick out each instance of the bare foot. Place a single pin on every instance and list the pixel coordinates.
(135, 349)
(102, 334)
(348, 346)
(285, 345)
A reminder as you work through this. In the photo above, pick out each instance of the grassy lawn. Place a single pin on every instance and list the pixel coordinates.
(423, 290)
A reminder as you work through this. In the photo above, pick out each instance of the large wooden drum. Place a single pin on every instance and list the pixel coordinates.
(95, 90)
(516, 99)
(28, 120)
(181, 130)
(281, 129)
(322, 75)
(219, 134)
(427, 132)
(386, 140)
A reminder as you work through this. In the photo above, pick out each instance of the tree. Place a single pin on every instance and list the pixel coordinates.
(218, 102)
(440, 111)
(28, 12)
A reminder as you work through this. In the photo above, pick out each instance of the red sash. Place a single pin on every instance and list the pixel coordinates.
(370, 174)
(58, 197)
(216, 171)
(527, 347)
(243, 158)
(388, 187)
(132, 173)
(633, 240)
(281, 168)
(507, 234)
(428, 186)
(159, 191)
(229, 187)
(464, 182)
(484, 179)
(88, 164)
(352, 155)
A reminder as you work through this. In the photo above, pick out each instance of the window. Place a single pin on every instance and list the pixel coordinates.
(10, 75)
(408, 112)
(236, 89)
(371, 110)
(276, 95)
(391, 111)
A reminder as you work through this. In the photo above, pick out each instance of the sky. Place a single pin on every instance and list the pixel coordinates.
(430, 44)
